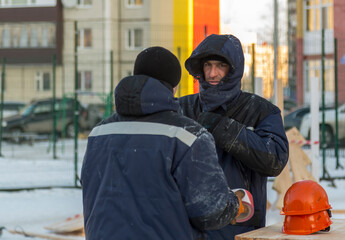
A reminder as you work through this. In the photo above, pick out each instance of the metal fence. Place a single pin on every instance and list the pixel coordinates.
(30, 165)
(89, 73)
(38, 145)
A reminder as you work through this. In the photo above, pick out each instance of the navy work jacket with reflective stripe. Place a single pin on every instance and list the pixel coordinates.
(151, 173)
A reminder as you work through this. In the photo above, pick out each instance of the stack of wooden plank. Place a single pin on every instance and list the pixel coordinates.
(71, 228)
(296, 169)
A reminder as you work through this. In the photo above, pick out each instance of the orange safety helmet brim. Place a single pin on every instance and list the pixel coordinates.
(306, 224)
(305, 197)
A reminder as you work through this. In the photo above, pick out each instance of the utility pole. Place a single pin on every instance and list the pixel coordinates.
(278, 88)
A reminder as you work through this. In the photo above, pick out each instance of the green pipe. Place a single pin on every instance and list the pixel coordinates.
(3, 75)
(111, 82)
(76, 107)
(54, 107)
(323, 100)
(336, 147)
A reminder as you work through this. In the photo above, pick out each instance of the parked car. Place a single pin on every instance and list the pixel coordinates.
(289, 105)
(37, 117)
(11, 108)
(96, 112)
(294, 118)
(329, 127)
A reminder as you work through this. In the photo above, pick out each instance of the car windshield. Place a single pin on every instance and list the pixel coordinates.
(26, 110)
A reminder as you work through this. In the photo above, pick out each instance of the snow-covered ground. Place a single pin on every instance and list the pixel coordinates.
(24, 166)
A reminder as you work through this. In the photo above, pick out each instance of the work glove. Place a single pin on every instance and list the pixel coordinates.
(246, 208)
(209, 120)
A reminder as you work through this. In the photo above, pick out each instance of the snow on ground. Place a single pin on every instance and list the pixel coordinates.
(25, 166)
(29, 166)
(31, 211)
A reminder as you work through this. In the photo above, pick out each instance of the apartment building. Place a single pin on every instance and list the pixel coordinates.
(126, 27)
(264, 67)
(30, 35)
(313, 18)
(95, 42)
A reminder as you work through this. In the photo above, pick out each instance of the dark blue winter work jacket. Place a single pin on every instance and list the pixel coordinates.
(250, 137)
(151, 173)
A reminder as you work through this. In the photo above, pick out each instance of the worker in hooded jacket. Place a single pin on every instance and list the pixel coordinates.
(148, 171)
(248, 130)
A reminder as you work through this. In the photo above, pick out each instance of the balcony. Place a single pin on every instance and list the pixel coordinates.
(312, 42)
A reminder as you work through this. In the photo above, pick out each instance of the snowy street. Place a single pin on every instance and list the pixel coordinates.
(28, 166)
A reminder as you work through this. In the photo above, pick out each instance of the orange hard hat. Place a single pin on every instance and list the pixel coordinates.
(307, 224)
(305, 197)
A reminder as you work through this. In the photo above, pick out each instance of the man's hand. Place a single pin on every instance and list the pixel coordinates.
(241, 209)
(246, 209)
(240, 194)
(209, 120)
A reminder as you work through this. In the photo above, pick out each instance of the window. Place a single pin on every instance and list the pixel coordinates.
(85, 80)
(84, 2)
(23, 41)
(28, 35)
(15, 36)
(309, 17)
(45, 38)
(319, 15)
(313, 70)
(134, 38)
(134, 3)
(27, 3)
(85, 38)
(64, 106)
(19, 2)
(43, 82)
(6, 38)
(44, 108)
(34, 38)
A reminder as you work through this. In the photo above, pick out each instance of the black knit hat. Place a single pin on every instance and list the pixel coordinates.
(215, 58)
(159, 63)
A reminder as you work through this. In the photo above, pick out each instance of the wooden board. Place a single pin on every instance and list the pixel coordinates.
(281, 184)
(296, 168)
(45, 235)
(274, 232)
(294, 135)
(299, 162)
(73, 224)
(338, 211)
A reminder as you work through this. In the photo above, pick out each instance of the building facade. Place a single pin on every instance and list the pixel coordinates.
(319, 23)
(95, 42)
(31, 33)
(263, 69)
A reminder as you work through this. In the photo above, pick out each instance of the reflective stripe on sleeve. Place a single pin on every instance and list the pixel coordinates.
(144, 128)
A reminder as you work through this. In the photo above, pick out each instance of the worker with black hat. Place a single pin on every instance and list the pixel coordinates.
(149, 172)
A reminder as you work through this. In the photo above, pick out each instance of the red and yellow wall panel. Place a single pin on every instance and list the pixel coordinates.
(193, 20)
